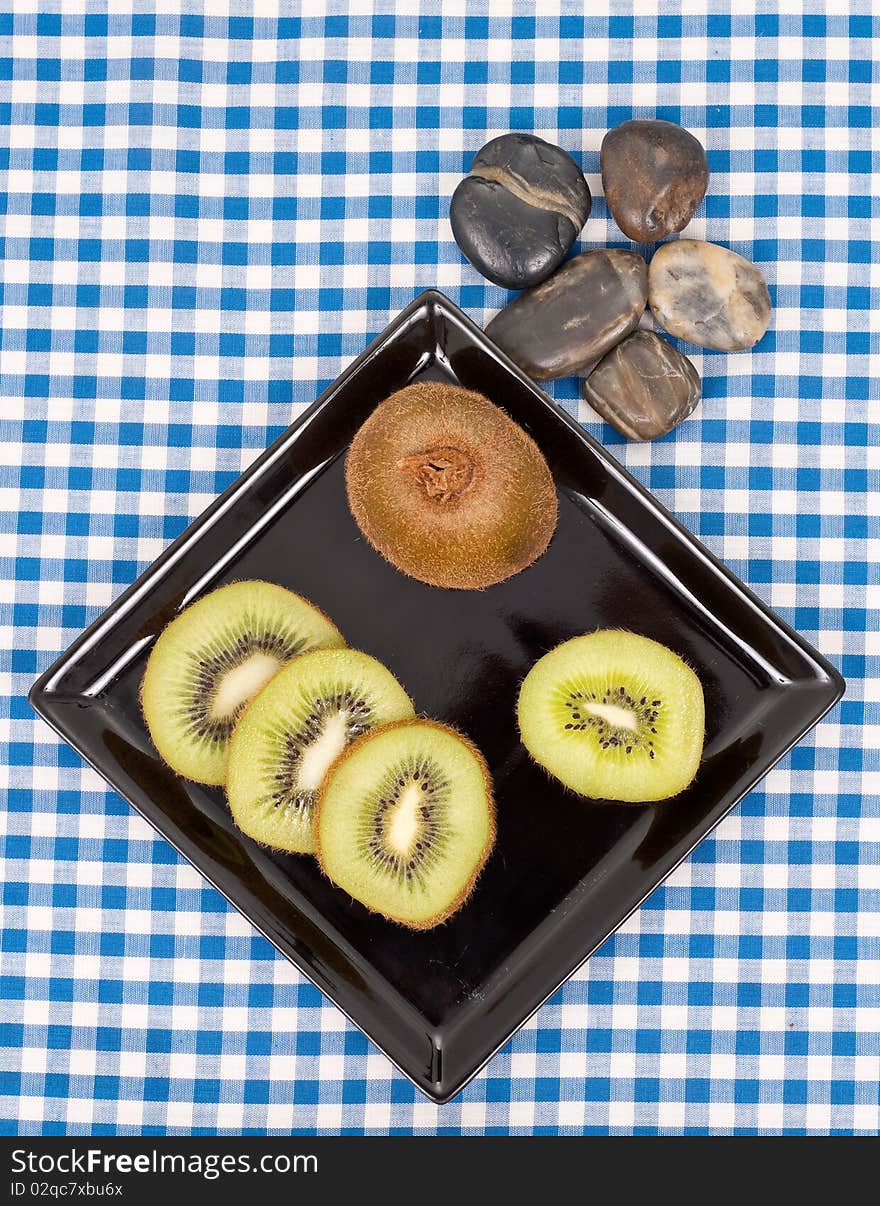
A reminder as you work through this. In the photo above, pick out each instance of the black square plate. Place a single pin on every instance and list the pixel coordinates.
(565, 871)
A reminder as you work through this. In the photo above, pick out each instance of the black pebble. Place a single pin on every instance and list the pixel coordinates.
(518, 212)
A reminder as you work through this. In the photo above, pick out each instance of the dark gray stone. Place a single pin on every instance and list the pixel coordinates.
(644, 387)
(520, 209)
(654, 174)
(708, 295)
(575, 317)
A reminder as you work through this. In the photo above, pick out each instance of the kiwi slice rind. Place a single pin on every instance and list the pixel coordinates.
(213, 658)
(406, 820)
(449, 489)
(614, 715)
(291, 733)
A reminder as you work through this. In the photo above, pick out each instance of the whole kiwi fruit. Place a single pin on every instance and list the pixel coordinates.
(449, 489)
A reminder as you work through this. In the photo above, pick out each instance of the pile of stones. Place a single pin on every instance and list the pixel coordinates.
(516, 216)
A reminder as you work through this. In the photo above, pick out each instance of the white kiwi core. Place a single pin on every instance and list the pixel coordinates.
(241, 684)
(403, 825)
(325, 749)
(618, 718)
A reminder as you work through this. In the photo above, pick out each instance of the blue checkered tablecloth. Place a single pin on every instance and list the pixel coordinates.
(205, 216)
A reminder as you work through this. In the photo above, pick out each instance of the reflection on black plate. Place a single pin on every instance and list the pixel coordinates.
(565, 871)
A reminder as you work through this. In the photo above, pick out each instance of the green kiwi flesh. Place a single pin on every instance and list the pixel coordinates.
(212, 659)
(291, 733)
(406, 820)
(614, 716)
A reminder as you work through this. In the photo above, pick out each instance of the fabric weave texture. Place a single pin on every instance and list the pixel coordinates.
(206, 214)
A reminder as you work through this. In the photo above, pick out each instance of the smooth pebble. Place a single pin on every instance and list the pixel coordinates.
(708, 295)
(644, 387)
(654, 174)
(576, 316)
(517, 213)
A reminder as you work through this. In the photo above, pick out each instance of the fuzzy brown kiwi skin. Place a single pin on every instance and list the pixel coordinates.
(430, 922)
(488, 429)
(235, 581)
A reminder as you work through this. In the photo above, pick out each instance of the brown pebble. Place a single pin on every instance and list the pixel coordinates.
(575, 316)
(654, 174)
(644, 387)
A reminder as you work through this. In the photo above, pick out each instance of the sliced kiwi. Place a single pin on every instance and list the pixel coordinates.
(614, 716)
(406, 820)
(295, 728)
(449, 489)
(213, 658)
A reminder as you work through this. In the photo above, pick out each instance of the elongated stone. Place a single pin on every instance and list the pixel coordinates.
(644, 387)
(708, 295)
(517, 213)
(654, 174)
(574, 317)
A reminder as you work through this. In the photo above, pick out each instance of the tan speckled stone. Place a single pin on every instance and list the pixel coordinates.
(708, 295)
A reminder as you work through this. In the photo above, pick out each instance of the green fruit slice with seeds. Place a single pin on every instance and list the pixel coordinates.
(213, 658)
(614, 716)
(294, 730)
(406, 821)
